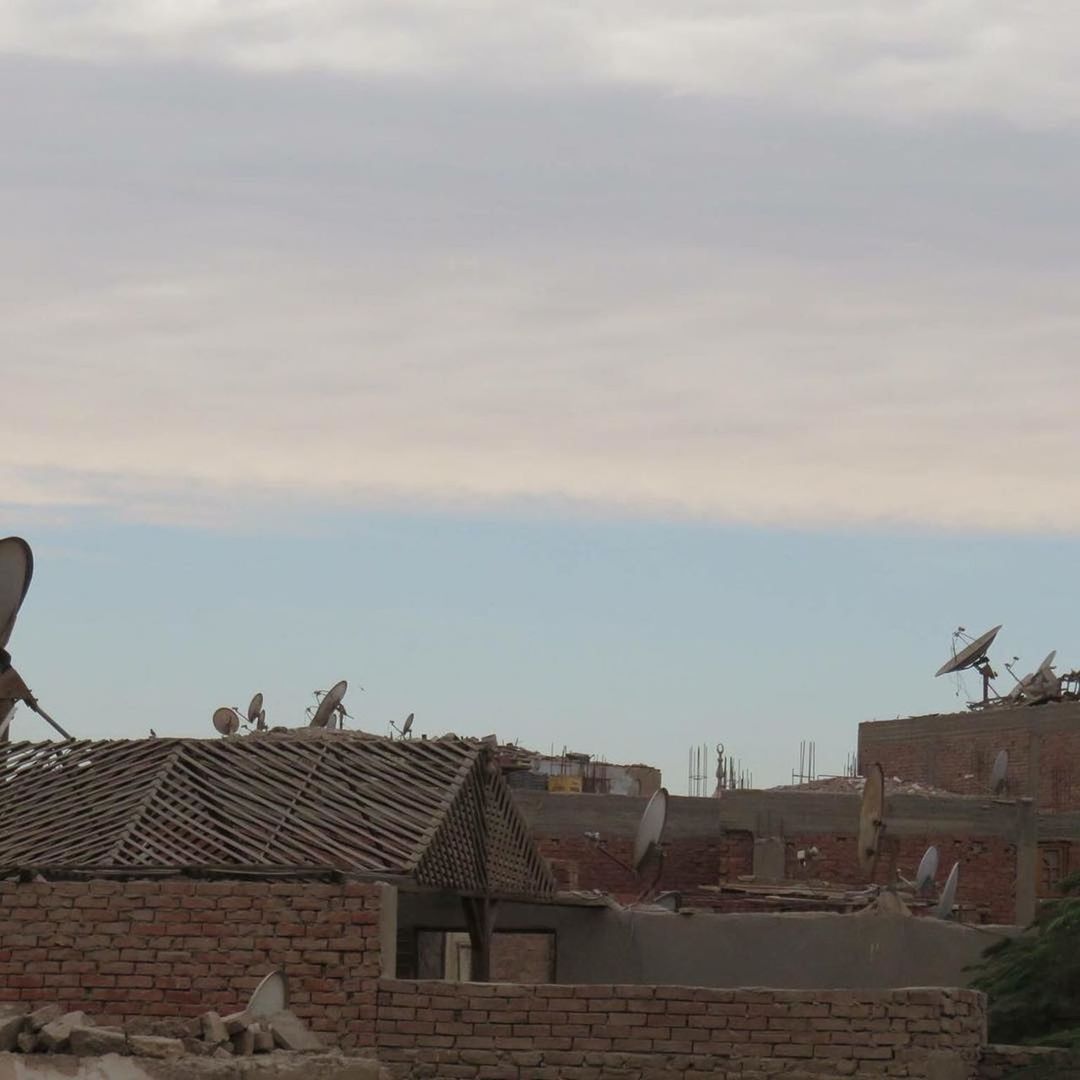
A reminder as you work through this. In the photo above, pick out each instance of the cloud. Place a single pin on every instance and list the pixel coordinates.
(927, 59)
(767, 395)
(225, 293)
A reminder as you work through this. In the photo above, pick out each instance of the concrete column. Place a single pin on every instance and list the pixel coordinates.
(1027, 860)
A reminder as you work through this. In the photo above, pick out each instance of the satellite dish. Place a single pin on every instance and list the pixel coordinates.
(226, 721)
(255, 708)
(651, 827)
(970, 656)
(407, 726)
(948, 895)
(331, 700)
(998, 772)
(16, 570)
(261, 724)
(927, 869)
(270, 996)
(871, 818)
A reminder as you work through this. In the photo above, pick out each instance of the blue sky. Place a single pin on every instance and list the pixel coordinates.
(606, 373)
(625, 638)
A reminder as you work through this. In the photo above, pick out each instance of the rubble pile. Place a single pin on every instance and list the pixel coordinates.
(50, 1030)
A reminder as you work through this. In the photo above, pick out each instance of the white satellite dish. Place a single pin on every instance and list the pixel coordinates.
(948, 895)
(270, 996)
(651, 827)
(407, 726)
(999, 773)
(970, 656)
(16, 571)
(255, 708)
(927, 871)
(329, 704)
(226, 721)
(974, 656)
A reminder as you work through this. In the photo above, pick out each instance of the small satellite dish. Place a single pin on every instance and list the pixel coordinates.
(651, 827)
(330, 702)
(927, 871)
(226, 721)
(407, 726)
(270, 996)
(948, 895)
(970, 656)
(998, 774)
(16, 570)
(871, 818)
(261, 723)
(255, 708)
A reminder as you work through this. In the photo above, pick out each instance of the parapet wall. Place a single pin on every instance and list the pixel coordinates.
(518, 1032)
(118, 950)
(956, 751)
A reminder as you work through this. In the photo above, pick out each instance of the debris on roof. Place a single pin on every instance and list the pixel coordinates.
(853, 785)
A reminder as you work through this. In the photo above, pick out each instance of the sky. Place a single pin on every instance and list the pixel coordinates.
(616, 376)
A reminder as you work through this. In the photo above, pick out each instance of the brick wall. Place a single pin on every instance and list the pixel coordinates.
(688, 861)
(987, 889)
(516, 1032)
(956, 752)
(177, 948)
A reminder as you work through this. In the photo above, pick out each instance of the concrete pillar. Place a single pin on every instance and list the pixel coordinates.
(1027, 860)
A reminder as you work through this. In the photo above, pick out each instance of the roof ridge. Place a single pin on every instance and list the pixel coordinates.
(166, 767)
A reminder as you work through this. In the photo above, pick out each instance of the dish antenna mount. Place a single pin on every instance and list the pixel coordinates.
(972, 655)
(16, 572)
(648, 846)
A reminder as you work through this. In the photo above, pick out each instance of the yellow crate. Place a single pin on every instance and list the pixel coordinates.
(565, 784)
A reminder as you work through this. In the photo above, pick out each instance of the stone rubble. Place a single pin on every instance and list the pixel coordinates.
(49, 1029)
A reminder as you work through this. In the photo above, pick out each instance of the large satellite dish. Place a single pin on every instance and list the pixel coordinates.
(871, 818)
(270, 996)
(948, 895)
(999, 773)
(651, 827)
(254, 709)
(226, 721)
(330, 703)
(927, 871)
(970, 656)
(16, 570)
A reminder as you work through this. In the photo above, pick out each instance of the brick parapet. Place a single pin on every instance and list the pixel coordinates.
(516, 1032)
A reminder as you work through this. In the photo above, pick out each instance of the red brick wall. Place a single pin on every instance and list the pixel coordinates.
(645, 1032)
(958, 754)
(688, 862)
(178, 948)
(987, 888)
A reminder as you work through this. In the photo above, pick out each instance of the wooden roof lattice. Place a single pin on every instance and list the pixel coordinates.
(433, 811)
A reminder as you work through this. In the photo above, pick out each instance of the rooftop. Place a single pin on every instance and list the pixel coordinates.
(432, 812)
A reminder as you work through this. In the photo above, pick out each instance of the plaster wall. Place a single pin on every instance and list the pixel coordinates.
(792, 951)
